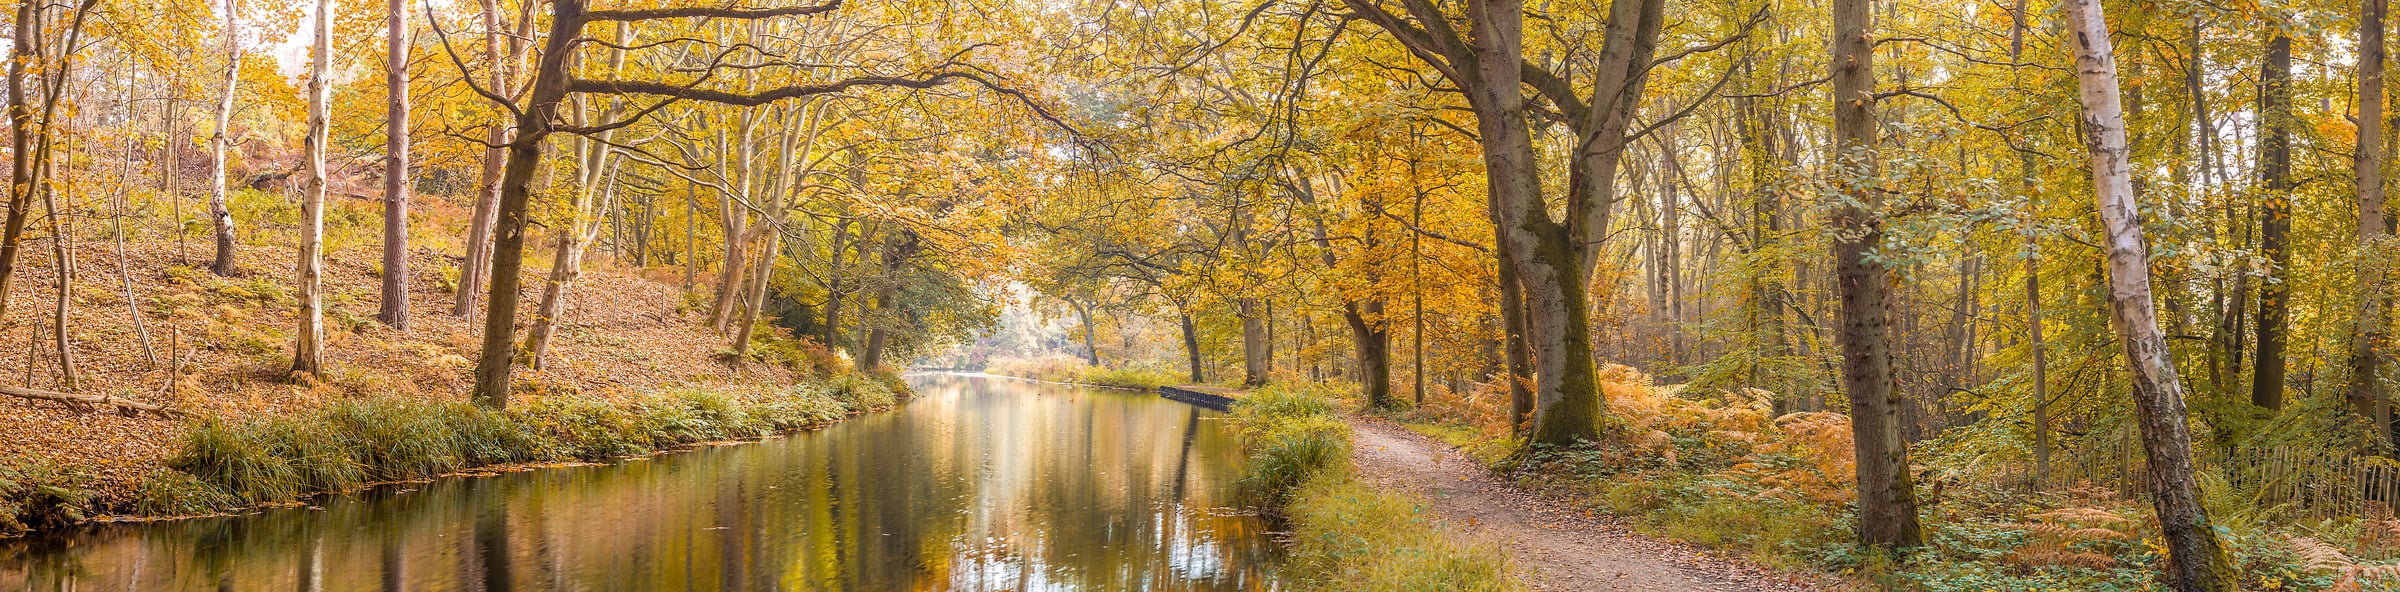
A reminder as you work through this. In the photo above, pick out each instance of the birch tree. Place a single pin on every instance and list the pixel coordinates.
(308, 355)
(2196, 559)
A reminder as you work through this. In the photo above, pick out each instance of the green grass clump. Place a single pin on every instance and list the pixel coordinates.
(1291, 436)
(235, 457)
(1348, 536)
(584, 428)
(169, 492)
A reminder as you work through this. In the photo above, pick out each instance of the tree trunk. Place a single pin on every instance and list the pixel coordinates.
(308, 355)
(116, 227)
(2033, 326)
(1254, 343)
(1091, 348)
(761, 277)
(1373, 343)
(549, 89)
(218, 210)
(595, 161)
(20, 128)
(1887, 494)
(2196, 560)
(896, 251)
(62, 249)
(1519, 354)
(1416, 296)
(574, 240)
(169, 160)
(394, 310)
(1191, 346)
(2275, 222)
(1547, 261)
(477, 265)
(2366, 393)
(833, 285)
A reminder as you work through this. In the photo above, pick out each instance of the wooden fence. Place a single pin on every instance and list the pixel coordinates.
(2292, 482)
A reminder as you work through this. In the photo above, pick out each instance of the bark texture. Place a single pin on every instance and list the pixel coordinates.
(2274, 222)
(1887, 496)
(219, 212)
(394, 309)
(2370, 325)
(2196, 559)
(308, 354)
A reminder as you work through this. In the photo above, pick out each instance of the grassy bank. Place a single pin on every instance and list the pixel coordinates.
(1075, 371)
(227, 464)
(1345, 535)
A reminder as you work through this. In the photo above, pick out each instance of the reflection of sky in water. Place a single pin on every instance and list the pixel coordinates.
(980, 484)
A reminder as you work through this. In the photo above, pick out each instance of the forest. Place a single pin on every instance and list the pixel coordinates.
(1852, 294)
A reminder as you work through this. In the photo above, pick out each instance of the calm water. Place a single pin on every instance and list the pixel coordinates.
(981, 483)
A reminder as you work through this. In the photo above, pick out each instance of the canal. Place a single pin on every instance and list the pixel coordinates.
(980, 483)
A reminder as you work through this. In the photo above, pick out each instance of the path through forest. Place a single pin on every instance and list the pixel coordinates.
(1564, 549)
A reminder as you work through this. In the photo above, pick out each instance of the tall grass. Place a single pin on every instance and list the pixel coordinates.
(351, 443)
(1346, 535)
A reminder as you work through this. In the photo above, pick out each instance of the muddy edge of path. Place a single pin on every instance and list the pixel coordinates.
(1559, 549)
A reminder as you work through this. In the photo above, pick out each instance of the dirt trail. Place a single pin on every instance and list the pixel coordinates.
(1564, 550)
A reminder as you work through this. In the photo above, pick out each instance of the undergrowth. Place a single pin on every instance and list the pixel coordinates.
(225, 464)
(1720, 470)
(1345, 535)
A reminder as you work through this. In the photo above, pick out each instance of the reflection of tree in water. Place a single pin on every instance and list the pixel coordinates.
(982, 484)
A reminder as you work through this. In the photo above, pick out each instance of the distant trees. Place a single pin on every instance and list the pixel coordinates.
(538, 115)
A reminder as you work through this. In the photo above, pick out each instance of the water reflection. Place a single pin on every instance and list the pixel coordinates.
(980, 484)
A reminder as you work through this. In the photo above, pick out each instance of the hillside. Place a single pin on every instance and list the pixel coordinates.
(625, 336)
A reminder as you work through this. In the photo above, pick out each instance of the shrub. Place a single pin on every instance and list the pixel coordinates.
(1344, 534)
(804, 354)
(864, 392)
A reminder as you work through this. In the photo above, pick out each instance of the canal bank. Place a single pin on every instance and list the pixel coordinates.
(233, 465)
(976, 484)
